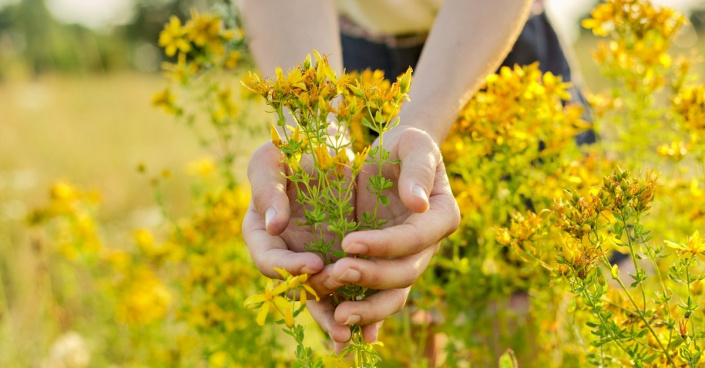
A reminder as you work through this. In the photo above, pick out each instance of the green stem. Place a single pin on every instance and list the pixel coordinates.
(692, 323)
(641, 313)
(630, 244)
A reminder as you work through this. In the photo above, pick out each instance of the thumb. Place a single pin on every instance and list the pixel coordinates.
(420, 158)
(268, 187)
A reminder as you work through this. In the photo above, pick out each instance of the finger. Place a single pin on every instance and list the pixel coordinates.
(268, 187)
(322, 312)
(372, 309)
(371, 332)
(323, 283)
(338, 346)
(418, 232)
(373, 273)
(271, 252)
(420, 158)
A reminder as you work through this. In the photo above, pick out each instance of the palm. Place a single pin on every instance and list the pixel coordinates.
(396, 212)
(296, 237)
(393, 213)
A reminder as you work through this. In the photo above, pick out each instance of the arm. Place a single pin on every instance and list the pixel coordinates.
(455, 62)
(468, 41)
(281, 33)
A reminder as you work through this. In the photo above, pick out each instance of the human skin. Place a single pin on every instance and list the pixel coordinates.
(468, 41)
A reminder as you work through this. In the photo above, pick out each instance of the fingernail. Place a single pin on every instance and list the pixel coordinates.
(418, 191)
(353, 319)
(356, 248)
(350, 275)
(269, 216)
(308, 270)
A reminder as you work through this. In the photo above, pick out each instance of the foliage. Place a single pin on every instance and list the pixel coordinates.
(325, 191)
(532, 276)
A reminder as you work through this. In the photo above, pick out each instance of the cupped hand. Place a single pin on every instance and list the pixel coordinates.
(421, 212)
(269, 226)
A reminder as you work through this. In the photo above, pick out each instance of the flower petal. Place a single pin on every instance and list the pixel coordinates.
(262, 314)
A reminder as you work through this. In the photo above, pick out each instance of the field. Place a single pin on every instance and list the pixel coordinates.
(155, 272)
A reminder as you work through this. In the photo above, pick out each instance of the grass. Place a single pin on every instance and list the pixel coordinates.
(94, 131)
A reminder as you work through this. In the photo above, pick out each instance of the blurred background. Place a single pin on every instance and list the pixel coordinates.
(76, 81)
(76, 77)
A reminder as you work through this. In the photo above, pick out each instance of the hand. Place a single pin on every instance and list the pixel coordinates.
(272, 236)
(421, 212)
(269, 227)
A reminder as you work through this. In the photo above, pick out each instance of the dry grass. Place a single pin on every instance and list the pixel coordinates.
(92, 131)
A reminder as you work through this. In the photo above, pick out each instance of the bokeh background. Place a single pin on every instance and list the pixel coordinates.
(76, 80)
(76, 77)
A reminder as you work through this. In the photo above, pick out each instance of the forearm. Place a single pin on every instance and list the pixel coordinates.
(281, 33)
(468, 41)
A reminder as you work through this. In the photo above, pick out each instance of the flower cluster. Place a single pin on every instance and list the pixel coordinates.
(180, 290)
(637, 61)
(203, 36)
(690, 105)
(512, 150)
(641, 36)
(140, 296)
(517, 133)
(71, 211)
(274, 299)
(308, 93)
(594, 223)
(202, 90)
(515, 107)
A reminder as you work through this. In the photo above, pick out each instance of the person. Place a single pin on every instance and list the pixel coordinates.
(467, 41)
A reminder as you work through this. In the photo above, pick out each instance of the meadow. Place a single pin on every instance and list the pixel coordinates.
(135, 259)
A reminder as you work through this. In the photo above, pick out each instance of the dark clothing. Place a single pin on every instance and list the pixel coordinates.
(537, 42)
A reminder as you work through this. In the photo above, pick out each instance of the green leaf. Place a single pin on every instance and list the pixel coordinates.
(337, 253)
(508, 360)
(384, 199)
(378, 117)
(387, 184)
(367, 123)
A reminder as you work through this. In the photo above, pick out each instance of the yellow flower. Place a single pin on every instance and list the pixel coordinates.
(404, 81)
(300, 282)
(675, 151)
(254, 83)
(203, 167)
(145, 298)
(323, 158)
(271, 297)
(165, 99)
(341, 161)
(173, 39)
(63, 191)
(359, 159)
(276, 139)
(203, 28)
(232, 60)
(695, 245)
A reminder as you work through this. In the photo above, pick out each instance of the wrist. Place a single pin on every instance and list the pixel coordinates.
(426, 121)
